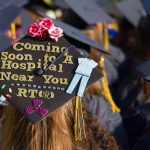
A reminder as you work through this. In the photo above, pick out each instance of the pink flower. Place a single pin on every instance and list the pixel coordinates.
(46, 23)
(55, 33)
(44, 29)
(34, 30)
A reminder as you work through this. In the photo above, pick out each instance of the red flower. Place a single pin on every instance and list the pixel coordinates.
(34, 30)
(46, 23)
(44, 29)
(55, 33)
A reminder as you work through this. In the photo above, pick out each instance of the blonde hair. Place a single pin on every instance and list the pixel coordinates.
(53, 133)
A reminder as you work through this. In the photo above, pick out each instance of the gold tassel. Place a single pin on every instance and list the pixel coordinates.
(105, 86)
(79, 124)
(106, 37)
(13, 30)
(76, 118)
(83, 122)
(106, 91)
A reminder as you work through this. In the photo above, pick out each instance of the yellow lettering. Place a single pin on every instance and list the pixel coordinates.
(18, 46)
(37, 47)
(22, 92)
(68, 59)
(4, 55)
(47, 78)
(5, 75)
(32, 93)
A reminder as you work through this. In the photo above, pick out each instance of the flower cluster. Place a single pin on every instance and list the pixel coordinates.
(44, 29)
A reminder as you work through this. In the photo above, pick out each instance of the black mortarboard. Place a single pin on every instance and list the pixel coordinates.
(146, 5)
(21, 3)
(102, 3)
(8, 13)
(132, 10)
(26, 20)
(17, 3)
(88, 11)
(61, 4)
(77, 35)
(36, 96)
(4, 42)
(144, 70)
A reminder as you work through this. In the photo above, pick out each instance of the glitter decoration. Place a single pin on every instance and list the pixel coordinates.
(10, 90)
(36, 107)
(3, 86)
(9, 96)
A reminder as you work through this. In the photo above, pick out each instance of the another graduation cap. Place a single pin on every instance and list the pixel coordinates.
(146, 5)
(26, 19)
(61, 4)
(4, 42)
(36, 74)
(8, 13)
(88, 11)
(103, 3)
(76, 37)
(108, 6)
(133, 10)
(144, 70)
(17, 3)
(21, 3)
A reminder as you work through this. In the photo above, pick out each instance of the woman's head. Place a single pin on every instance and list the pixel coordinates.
(54, 132)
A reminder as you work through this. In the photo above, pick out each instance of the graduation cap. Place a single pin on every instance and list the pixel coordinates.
(21, 3)
(4, 42)
(102, 3)
(40, 75)
(26, 20)
(74, 35)
(144, 70)
(9, 13)
(61, 4)
(132, 10)
(17, 3)
(88, 11)
(146, 5)
(77, 35)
